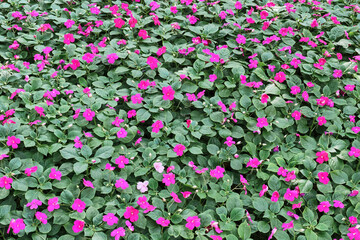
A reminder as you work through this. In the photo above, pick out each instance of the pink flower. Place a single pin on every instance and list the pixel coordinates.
(275, 196)
(88, 183)
(296, 205)
(264, 98)
(238, 5)
(323, 156)
(143, 34)
(78, 205)
(179, 149)
(272, 233)
(192, 222)
(55, 174)
(265, 188)
(129, 225)
(88, 114)
(192, 19)
(337, 73)
(161, 51)
(34, 204)
(53, 204)
(338, 204)
(173, 9)
(168, 179)
(241, 39)
(296, 115)
(295, 90)
(29, 171)
(229, 141)
(214, 237)
(280, 77)
(142, 186)
(291, 195)
(321, 120)
(117, 233)
(68, 38)
(262, 122)
(78, 226)
(119, 22)
(175, 197)
(121, 183)
(253, 162)
(13, 142)
(136, 99)
(163, 222)
(290, 176)
(168, 93)
(289, 225)
(353, 220)
(78, 143)
(157, 125)
(109, 167)
(152, 62)
(131, 213)
(186, 194)
(121, 161)
(217, 172)
(353, 193)
(349, 87)
(16, 225)
(314, 23)
(159, 167)
(324, 206)
(264, 14)
(122, 133)
(42, 217)
(69, 23)
(323, 177)
(112, 57)
(110, 219)
(212, 77)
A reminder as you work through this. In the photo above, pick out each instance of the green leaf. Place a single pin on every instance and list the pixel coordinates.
(104, 152)
(260, 204)
(86, 151)
(80, 167)
(308, 143)
(68, 153)
(308, 215)
(244, 231)
(195, 150)
(266, 56)
(237, 214)
(217, 117)
(309, 234)
(261, 74)
(142, 115)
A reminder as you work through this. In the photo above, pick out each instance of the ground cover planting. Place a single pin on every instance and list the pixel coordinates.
(190, 119)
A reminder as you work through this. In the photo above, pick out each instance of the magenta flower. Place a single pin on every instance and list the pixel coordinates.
(296, 115)
(168, 179)
(78, 226)
(88, 183)
(314, 23)
(42, 217)
(262, 122)
(353, 220)
(29, 171)
(323, 177)
(295, 90)
(179, 149)
(117, 233)
(88, 114)
(186, 194)
(265, 188)
(152, 62)
(13, 142)
(88, 57)
(175, 197)
(112, 57)
(143, 34)
(229, 141)
(110, 219)
(157, 126)
(121, 183)
(78, 143)
(291, 195)
(337, 73)
(163, 222)
(192, 19)
(121, 161)
(322, 156)
(142, 202)
(193, 222)
(253, 162)
(16, 225)
(275, 196)
(136, 99)
(119, 22)
(53, 203)
(280, 77)
(78, 205)
(338, 204)
(132, 214)
(321, 120)
(34, 204)
(264, 98)
(212, 77)
(324, 207)
(289, 225)
(217, 172)
(68, 38)
(122, 133)
(168, 93)
(55, 174)
(241, 39)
